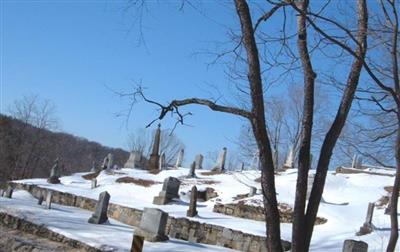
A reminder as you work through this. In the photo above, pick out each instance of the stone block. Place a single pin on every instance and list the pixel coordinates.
(354, 246)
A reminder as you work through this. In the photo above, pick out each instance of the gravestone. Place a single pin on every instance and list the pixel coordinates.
(9, 192)
(357, 162)
(253, 191)
(193, 203)
(153, 224)
(367, 227)
(110, 163)
(49, 197)
(154, 160)
(289, 162)
(136, 160)
(100, 214)
(93, 169)
(1, 193)
(242, 167)
(192, 170)
(162, 162)
(169, 191)
(310, 181)
(179, 159)
(105, 163)
(55, 173)
(220, 165)
(137, 243)
(40, 199)
(354, 246)
(94, 183)
(199, 161)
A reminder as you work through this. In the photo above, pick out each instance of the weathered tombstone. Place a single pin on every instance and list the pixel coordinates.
(1, 193)
(105, 163)
(55, 173)
(289, 162)
(310, 181)
(136, 160)
(179, 159)
(153, 224)
(40, 199)
(192, 170)
(193, 203)
(9, 192)
(93, 169)
(137, 243)
(110, 163)
(357, 162)
(367, 227)
(220, 165)
(94, 183)
(242, 167)
(355, 246)
(100, 214)
(169, 191)
(162, 162)
(253, 191)
(49, 197)
(199, 161)
(154, 160)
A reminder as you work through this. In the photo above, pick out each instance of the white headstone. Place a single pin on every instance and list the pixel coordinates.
(49, 197)
(179, 159)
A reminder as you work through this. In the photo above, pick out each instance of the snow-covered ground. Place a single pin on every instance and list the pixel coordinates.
(73, 223)
(344, 220)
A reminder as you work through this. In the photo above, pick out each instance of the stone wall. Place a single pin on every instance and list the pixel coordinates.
(257, 212)
(179, 228)
(18, 223)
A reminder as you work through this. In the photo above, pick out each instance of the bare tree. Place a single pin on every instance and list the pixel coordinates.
(26, 152)
(247, 52)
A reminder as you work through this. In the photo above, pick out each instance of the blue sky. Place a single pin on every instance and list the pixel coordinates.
(69, 51)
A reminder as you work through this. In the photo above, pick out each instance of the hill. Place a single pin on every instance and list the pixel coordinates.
(27, 151)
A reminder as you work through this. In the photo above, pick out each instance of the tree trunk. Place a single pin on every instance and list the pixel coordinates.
(394, 225)
(338, 124)
(259, 128)
(305, 138)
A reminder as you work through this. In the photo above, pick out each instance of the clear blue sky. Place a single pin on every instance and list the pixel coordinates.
(71, 51)
(68, 51)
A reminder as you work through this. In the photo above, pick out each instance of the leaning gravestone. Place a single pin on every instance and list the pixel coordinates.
(55, 173)
(49, 197)
(100, 214)
(199, 161)
(169, 191)
(354, 246)
(9, 192)
(367, 227)
(179, 159)
(152, 225)
(193, 203)
(192, 172)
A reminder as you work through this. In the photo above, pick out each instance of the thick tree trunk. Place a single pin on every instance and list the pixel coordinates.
(394, 224)
(337, 125)
(305, 139)
(259, 128)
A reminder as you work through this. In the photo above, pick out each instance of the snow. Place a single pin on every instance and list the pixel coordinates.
(346, 197)
(73, 223)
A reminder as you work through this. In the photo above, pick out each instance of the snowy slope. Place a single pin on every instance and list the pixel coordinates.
(343, 220)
